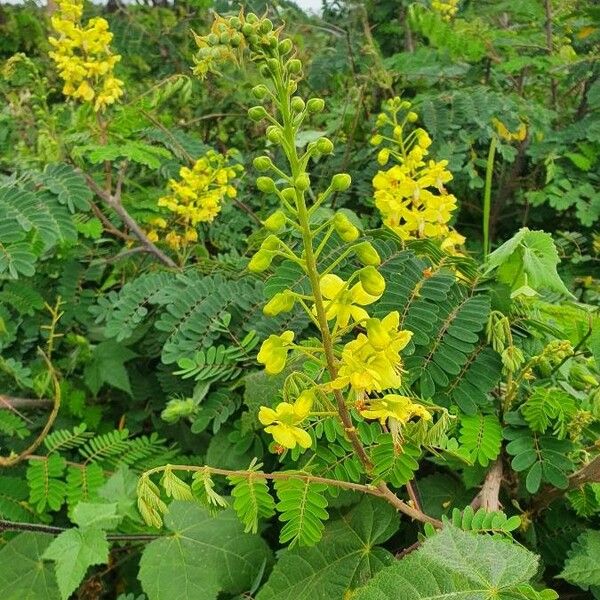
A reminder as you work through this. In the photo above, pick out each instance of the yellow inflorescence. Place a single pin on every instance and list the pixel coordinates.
(411, 195)
(197, 197)
(83, 56)
(510, 136)
(445, 8)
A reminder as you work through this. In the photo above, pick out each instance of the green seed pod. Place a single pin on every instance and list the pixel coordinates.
(275, 222)
(271, 243)
(372, 281)
(297, 104)
(341, 182)
(257, 113)
(265, 184)
(260, 91)
(266, 26)
(262, 163)
(285, 46)
(260, 261)
(294, 66)
(367, 255)
(280, 302)
(302, 182)
(324, 145)
(274, 134)
(344, 228)
(315, 105)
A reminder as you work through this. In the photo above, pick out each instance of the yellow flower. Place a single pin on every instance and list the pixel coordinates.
(394, 406)
(274, 350)
(344, 303)
(372, 363)
(284, 420)
(519, 135)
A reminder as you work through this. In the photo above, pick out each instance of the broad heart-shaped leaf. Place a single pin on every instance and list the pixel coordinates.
(74, 551)
(344, 559)
(528, 261)
(96, 515)
(23, 573)
(204, 556)
(582, 567)
(107, 366)
(458, 565)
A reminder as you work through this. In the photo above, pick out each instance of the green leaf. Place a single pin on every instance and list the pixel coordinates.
(345, 558)
(74, 551)
(108, 367)
(456, 565)
(481, 436)
(137, 152)
(24, 575)
(204, 556)
(528, 260)
(582, 566)
(68, 185)
(252, 500)
(96, 515)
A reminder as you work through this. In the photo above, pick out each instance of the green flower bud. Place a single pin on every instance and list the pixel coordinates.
(224, 38)
(302, 182)
(265, 184)
(405, 104)
(257, 113)
(273, 65)
(266, 26)
(292, 87)
(372, 281)
(271, 243)
(275, 222)
(289, 194)
(212, 39)
(262, 163)
(383, 156)
(294, 66)
(397, 132)
(264, 71)
(247, 29)
(367, 255)
(235, 23)
(315, 105)
(236, 40)
(411, 117)
(179, 408)
(341, 182)
(344, 228)
(324, 145)
(376, 139)
(297, 104)
(281, 302)
(260, 261)
(274, 134)
(251, 18)
(260, 91)
(285, 46)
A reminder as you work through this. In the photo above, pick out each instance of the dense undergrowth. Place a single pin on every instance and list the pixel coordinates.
(300, 307)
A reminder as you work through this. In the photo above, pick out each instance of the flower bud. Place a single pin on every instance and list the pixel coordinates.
(292, 87)
(379, 338)
(383, 156)
(260, 91)
(247, 29)
(302, 182)
(274, 134)
(315, 105)
(285, 46)
(212, 39)
(264, 71)
(398, 132)
(289, 194)
(324, 145)
(262, 163)
(273, 65)
(275, 222)
(344, 228)
(294, 66)
(512, 359)
(257, 113)
(260, 261)
(235, 23)
(265, 184)
(266, 26)
(405, 104)
(376, 139)
(251, 18)
(412, 117)
(372, 281)
(297, 104)
(236, 40)
(341, 182)
(280, 302)
(367, 255)
(224, 38)
(271, 243)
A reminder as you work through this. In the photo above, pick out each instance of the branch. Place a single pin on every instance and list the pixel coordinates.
(379, 491)
(13, 459)
(488, 496)
(114, 202)
(14, 403)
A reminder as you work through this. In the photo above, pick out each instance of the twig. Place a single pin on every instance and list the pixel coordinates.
(114, 202)
(14, 403)
(488, 496)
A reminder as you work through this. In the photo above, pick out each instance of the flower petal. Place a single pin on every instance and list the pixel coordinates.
(266, 415)
(331, 285)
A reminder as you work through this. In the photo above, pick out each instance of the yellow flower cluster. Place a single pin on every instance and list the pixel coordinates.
(510, 136)
(197, 197)
(445, 8)
(83, 56)
(411, 195)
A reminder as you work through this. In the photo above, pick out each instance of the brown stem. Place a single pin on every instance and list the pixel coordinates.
(488, 496)
(14, 403)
